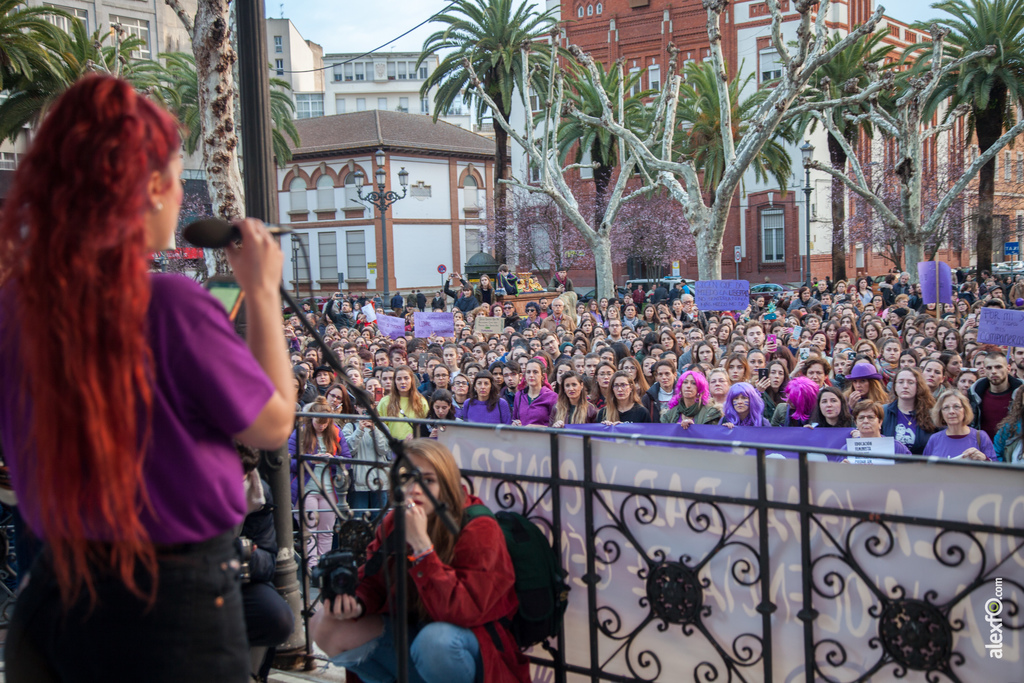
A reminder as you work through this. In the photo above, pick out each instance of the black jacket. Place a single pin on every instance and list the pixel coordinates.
(259, 528)
(979, 389)
(397, 303)
(438, 302)
(421, 301)
(336, 316)
(651, 403)
(466, 303)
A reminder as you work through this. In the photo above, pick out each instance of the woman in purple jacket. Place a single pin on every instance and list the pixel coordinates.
(484, 405)
(535, 402)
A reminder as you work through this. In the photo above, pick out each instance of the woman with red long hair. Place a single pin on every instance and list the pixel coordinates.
(136, 496)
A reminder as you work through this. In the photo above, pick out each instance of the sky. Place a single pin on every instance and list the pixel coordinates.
(353, 26)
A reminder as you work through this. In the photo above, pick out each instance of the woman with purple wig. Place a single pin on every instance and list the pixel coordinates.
(801, 399)
(691, 403)
(743, 407)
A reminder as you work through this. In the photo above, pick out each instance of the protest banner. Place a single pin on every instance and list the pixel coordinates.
(391, 326)
(722, 295)
(882, 445)
(1001, 327)
(371, 315)
(488, 325)
(936, 282)
(633, 519)
(440, 324)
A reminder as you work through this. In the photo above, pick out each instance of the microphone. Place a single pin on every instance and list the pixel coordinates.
(214, 233)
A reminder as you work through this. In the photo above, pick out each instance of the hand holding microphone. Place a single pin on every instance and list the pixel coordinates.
(257, 266)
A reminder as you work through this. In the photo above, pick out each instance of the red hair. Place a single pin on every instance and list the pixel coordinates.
(73, 234)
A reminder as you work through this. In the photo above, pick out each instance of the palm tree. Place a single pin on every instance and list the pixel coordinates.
(992, 86)
(831, 81)
(71, 56)
(577, 137)
(698, 135)
(25, 33)
(176, 85)
(490, 35)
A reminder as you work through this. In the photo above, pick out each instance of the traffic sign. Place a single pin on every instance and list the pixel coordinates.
(442, 269)
(737, 256)
(1011, 248)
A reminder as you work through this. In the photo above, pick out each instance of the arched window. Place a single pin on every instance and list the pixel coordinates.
(472, 196)
(600, 8)
(590, 10)
(325, 193)
(579, 11)
(297, 195)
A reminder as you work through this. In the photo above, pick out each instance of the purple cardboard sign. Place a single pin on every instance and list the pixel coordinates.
(1001, 327)
(926, 274)
(391, 326)
(722, 295)
(441, 324)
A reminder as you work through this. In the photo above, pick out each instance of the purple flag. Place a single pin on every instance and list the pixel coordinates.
(441, 324)
(926, 274)
(390, 326)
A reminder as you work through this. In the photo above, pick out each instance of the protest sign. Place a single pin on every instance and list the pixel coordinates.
(371, 315)
(390, 326)
(860, 448)
(722, 295)
(488, 325)
(936, 282)
(440, 324)
(1001, 327)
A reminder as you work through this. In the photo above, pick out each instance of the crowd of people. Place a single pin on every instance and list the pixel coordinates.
(843, 355)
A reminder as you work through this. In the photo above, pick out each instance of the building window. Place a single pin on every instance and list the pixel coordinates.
(355, 250)
(587, 158)
(301, 255)
(392, 70)
(419, 190)
(590, 10)
(325, 193)
(279, 66)
(63, 23)
(297, 195)
(473, 241)
(423, 73)
(634, 75)
(403, 104)
(471, 193)
(773, 236)
(424, 106)
(771, 65)
(348, 72)
(352, 193)
(339, 104)
(138, 28)
(8, 161)
(360, 71)
(309, 105)
(1020, 167)
(403, 71)
(454, 109)
(382, 103)
(1006, 165)
(654, 77)
(360, 104)
(534, 173)
(579, 11)
(328, 254)
(278, 44)
(600, 8)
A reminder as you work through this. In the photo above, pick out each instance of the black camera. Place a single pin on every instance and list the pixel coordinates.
(244, 546)
(338, 573)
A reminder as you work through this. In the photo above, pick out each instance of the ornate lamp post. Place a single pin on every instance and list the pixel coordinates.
(807, 150)
(382, 200)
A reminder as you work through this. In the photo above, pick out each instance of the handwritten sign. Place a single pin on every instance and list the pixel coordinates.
(391, 326)
(488, 325)
(371, 315)
(927, 272)
(440, 324)
(860, 448)
(1001, 327)
(723, 295)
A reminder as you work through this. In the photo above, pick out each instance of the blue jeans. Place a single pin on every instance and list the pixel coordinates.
(440, 653)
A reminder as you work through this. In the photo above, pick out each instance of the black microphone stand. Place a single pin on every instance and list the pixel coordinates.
(402, 471)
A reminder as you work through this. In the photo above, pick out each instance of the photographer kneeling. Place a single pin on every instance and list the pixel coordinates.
(461, 590)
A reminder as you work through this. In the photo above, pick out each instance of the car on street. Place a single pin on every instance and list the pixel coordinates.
(775, 291)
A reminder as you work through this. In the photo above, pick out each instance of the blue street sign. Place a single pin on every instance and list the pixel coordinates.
(1011, 248)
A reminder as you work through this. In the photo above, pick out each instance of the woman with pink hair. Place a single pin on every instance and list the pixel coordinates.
(691, 402)
(801, 397)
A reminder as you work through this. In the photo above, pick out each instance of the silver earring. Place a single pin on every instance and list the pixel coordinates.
(158, 207)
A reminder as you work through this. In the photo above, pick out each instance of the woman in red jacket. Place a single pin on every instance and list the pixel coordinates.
(461, 587)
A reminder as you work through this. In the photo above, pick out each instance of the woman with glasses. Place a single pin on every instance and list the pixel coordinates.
(958, 440)
(460, 391)
(508, 310)
(623, 407)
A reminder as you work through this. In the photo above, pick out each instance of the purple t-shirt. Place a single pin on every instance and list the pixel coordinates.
(941, 445)
(208, 387)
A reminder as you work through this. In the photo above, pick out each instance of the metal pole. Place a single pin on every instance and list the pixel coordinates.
(384, 237)
(807, 210)
(261, 202)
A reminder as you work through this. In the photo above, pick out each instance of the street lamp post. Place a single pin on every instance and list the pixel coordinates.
(807, 149)
(382, 200)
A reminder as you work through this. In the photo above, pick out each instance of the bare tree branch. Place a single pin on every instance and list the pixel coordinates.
(186, 19)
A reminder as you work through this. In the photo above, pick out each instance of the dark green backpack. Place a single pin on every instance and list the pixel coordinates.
(540, 580)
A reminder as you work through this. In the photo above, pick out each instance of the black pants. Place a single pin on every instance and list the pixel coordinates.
(268, 618)
(194, 632)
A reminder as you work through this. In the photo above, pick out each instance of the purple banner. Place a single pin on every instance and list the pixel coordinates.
(775, 438)
(926, 273)
(441, 324)
(1001, 327)
(722, 295)
(390, 326)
